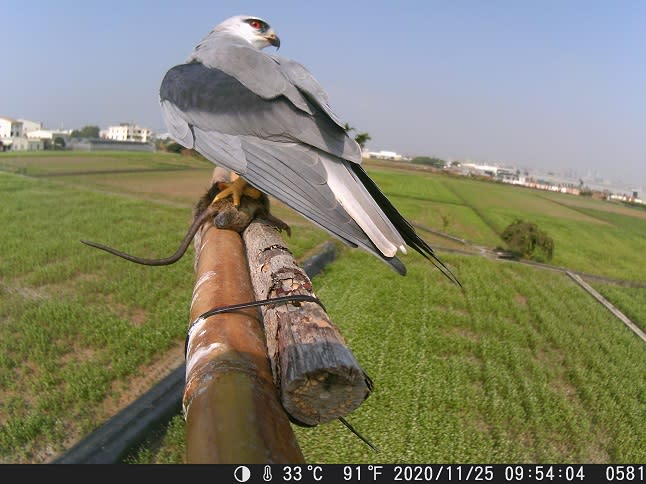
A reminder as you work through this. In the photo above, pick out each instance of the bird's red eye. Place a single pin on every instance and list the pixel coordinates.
(257, 24)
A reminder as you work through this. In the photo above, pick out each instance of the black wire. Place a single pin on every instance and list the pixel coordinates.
(355, 432)
(251, 304)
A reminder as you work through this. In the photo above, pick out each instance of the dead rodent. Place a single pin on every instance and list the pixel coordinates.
(224, 215)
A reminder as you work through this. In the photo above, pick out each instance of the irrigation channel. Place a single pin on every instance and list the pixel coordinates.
(115, 439)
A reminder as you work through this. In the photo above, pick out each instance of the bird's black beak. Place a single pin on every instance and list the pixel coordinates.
(273, 39)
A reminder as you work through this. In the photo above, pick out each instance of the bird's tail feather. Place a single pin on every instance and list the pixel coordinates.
(402, 225)
(359, 203)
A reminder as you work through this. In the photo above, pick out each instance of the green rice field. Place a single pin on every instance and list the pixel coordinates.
(518, 365)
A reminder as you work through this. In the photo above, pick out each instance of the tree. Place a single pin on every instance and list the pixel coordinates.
(427, 160)
(86, 132)
(360, 138)
(526, 240)
(59, 143)
(174, 147)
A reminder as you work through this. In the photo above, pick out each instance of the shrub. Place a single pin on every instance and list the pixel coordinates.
(173, 147)
(526, 240)
(426, 160)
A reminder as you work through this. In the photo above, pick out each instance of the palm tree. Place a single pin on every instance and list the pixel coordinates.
(360, 138)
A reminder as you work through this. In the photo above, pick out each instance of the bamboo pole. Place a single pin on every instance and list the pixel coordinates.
(230, 403)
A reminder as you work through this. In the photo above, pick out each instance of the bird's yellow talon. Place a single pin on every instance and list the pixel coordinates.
(251, 192)
(236, 189)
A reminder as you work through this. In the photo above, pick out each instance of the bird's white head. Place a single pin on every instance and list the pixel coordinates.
(254, 30)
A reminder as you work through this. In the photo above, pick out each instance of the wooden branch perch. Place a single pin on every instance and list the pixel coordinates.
(318, 376)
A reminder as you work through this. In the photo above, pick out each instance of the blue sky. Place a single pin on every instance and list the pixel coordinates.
(545, 84)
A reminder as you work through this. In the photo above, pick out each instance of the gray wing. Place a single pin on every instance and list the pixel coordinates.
(215, 101)
(267, 76)
(306, 83)
(275, 146)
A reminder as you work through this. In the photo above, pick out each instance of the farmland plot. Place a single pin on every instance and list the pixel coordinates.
(521, 366)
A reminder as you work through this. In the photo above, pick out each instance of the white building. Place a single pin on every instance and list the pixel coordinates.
(49, 134)
(127, 132)
(10, 128)
(383, 155)
(24, 144)
(29, 126)
(13, 136)
(479, 169)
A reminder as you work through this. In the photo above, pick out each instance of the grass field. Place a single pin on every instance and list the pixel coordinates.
(520, 366)
(56, 163)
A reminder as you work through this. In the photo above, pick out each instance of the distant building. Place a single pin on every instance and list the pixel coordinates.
(127, 132)
(13, 135)
(384, 155)
(26, 144)
(29, 126)
(508, 175)
(50, 134)
(479, 169)
(10, 128)
(51, 138)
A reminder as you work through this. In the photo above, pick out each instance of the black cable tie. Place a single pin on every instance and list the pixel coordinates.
(234, 307)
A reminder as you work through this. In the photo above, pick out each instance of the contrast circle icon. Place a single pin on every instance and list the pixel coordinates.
(242, 473)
